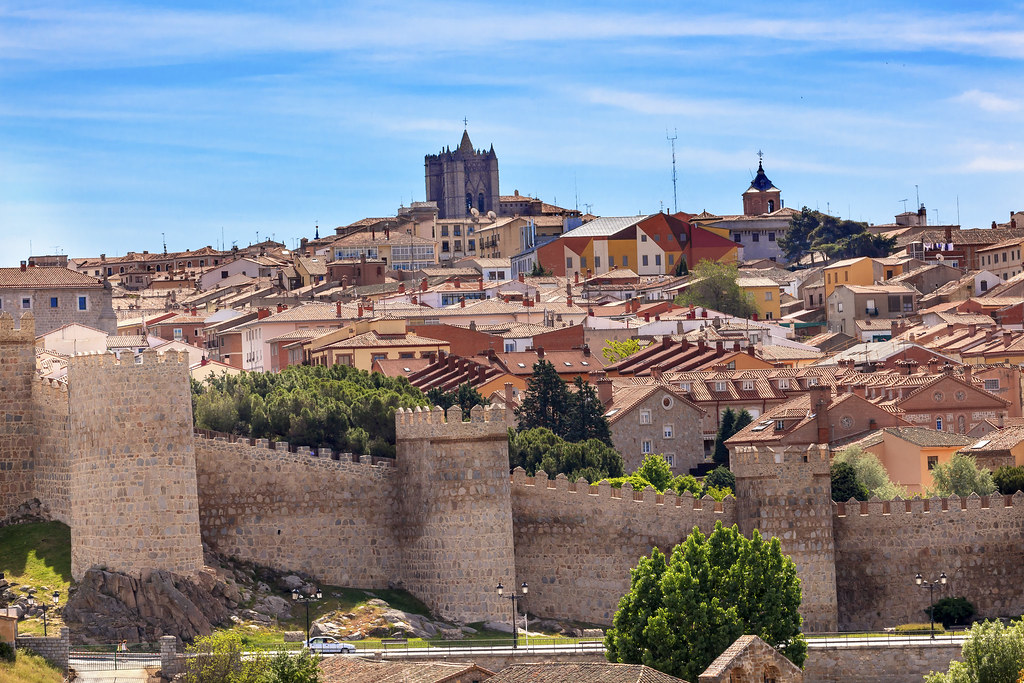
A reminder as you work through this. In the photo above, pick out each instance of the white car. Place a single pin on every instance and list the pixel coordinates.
(326, 645)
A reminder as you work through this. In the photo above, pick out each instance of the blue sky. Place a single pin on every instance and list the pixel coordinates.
(122, 121)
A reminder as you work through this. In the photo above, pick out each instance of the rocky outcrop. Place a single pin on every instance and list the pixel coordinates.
(108, 607)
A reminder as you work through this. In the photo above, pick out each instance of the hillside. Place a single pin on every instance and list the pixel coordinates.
(35, 555)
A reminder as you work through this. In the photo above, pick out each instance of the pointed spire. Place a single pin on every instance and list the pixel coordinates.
(466, 146)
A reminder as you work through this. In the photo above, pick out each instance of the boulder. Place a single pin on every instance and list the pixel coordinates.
(503, 626)
(593, 633)
(294, 636)
(291, 582)
(276, 606)
(451, 633)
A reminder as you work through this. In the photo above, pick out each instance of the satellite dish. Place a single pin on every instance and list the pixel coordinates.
(474, 212)
(492, 215)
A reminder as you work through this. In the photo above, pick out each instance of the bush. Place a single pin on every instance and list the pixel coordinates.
(845, 484)
(1009, 480)
(6, 652)
(953, 611)
(722, 478)
(919, 628)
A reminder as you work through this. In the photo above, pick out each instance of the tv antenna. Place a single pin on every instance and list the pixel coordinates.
(917, 193)
(672, 139)
(904, 204)
(164, 236)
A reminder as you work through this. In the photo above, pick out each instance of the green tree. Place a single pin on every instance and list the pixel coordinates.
(962, 476)
(222, 658)
(845, 484)
(546, 401)
(541, 449)
(952, 611)
(465, 396)
(871, 474)
(681, 268)
(539, 271)
(585, 418)
(656, 470)
(1009, 479)
(617, 350)
(714, 285)
(725, 430)
(679, 615)
(992, 653)
(720, 477)
(796, 240)
(812, 231)
(301, 668)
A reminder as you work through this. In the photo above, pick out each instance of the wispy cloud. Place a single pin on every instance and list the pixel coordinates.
(989, 102)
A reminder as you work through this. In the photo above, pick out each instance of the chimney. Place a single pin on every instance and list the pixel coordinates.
(590, 312)
(968, 374)
(718, 348)
(750, 349)
(1007, 337)
(704, 313)
(262, 313)
(702, 345)
(735, 346)
(337, 309)
(647, 317)
(753, 316)
(415, 300)
(423, 285)
(462, 302)
(508, 397)
(972, 329)
(359, 313)
(656, 373)
(859, 390)
(204, 361)
(103, 258)
(480, 284)
(576, 277)
(540, 351)
(522, 278)
(401, 288)
(949, 235)
(933, 365)
(458, 283)
(894, 328)
(23, 266)
(821, 396)
(586, 350)
(280, 309)
(568, 301)
(604, 390)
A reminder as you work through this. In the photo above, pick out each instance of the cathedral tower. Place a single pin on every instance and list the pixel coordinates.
(762, 196)
(462, 180)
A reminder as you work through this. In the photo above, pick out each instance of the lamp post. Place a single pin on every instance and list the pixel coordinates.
(44, 607)
(920, 581)
(299, 596)
(513, 596)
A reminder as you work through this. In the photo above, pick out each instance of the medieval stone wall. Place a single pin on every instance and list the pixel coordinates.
(576, 543)
(329, 518)
(455, 530)
(51, 461)
(880, 547)
(133, 483)
(880, 662)
(17, 373)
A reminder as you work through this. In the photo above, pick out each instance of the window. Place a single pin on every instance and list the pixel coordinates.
(768, 296)
(480, 202)
(720, 386)
(510, 347)
(668, 431)
(26, 302)
(894, 304)
(784, 383)
(645, 446)
(771, 207)
(933, 460)
(839, 307)
(645, 417)
(780, 425)
(643, 238)
(748, 385)
(177, 333)
(670, 458)
(737, 237)
(685, 386)
(444, 246)
(568, 262)
(643, 259)
(938, 424)
(597, 261)
(83, 303)
(771, 236)
(755, 237)
(583, 262)
(657, 259)
(611, 261)
(888, 274)
(625, 262)
(53, 302)
(908, 304)
(444, 231)
(671, 259)
(991, 385)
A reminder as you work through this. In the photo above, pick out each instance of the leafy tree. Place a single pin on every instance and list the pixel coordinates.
(585, 418)
(796, 241)
(617, 350)
(952, 611)
(871, 474)
(813, 231)
(992, 653)
(717, 492)
(541, 449)
(680, 614)
(222, 658)
(720, 477)
(686, 482)
(962, 476)
(466, 397)
(656, 470)
(1009, 480)
(714, 285)
(546, 401)
(845, 484)
(303, 668)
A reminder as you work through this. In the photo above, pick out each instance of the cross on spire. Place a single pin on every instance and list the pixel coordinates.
(465, 122)
(760, 156)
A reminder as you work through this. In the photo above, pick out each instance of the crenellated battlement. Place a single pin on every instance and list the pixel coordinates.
(814, 454)
(484, 422)
(24, 332)
(281, 451)
(603, 491)
(954, 504)
(96, 359)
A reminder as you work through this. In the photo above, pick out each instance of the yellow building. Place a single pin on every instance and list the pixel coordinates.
(361, 343)
(909, 454)
(504, 238)
(862, 271)
(766, 295)
(1001, 447)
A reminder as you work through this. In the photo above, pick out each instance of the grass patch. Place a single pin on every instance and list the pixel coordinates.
(37, 555)
(29, 668)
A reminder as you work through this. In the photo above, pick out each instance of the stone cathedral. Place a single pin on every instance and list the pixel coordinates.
(462, 180)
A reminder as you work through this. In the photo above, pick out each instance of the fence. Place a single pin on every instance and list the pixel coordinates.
(110, 658)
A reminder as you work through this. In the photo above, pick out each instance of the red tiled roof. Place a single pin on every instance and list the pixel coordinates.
(45, 278)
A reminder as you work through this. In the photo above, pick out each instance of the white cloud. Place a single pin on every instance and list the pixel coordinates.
(987, 164)
(989, 102)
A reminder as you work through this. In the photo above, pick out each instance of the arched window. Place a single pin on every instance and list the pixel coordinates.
(771, 205)
(480, 202)
(961, 425)
(469, 202)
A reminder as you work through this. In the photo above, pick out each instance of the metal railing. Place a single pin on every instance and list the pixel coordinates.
(884, 639)
(110, 658)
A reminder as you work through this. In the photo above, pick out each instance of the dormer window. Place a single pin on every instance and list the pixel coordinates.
(748, 385)
(784, 383)
(720, 386)
(780, 425)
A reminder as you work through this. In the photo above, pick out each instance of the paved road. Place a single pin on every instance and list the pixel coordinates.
(112, 676)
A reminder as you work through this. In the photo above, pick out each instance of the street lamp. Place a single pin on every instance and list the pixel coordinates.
(299, 596)
(43, 606)
(919, 580)
(513, 596)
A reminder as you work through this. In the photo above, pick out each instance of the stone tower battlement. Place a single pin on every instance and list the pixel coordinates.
(24, 331)
(17, 423)
(420, 423)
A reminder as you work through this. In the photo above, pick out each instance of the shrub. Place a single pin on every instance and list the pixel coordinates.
(1009, 480)
(6, 652)
(952, 611)
(919, 628)
(722, 478)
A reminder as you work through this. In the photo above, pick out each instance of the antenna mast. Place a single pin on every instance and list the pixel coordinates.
(672, 139)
